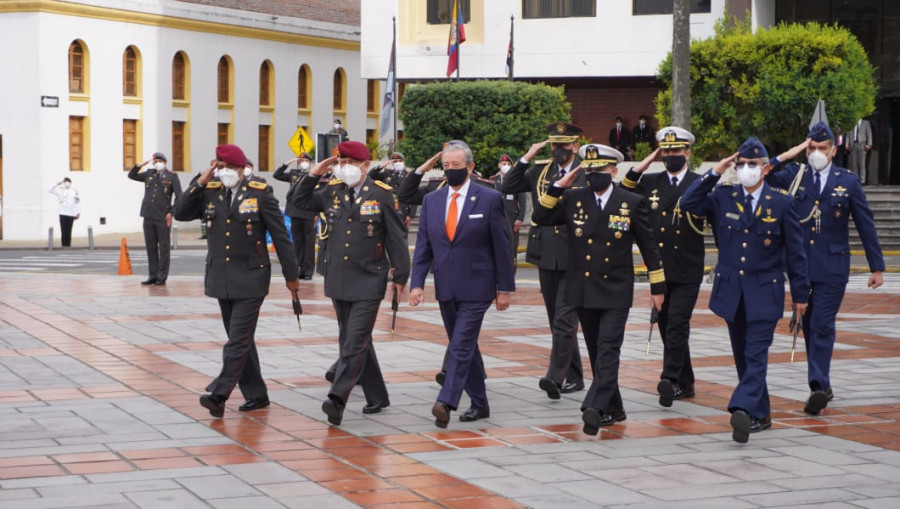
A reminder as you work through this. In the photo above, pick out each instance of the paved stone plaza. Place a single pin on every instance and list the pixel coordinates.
(99, 379)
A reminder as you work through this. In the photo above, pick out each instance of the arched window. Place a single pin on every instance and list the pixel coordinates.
(266, 83)
(224, 79)
(339, 89)
(304, 88)
(371, 96)
(180, 89)
(78, 66)
(131, 72)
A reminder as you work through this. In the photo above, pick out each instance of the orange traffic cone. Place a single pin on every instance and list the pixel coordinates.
(124, 260)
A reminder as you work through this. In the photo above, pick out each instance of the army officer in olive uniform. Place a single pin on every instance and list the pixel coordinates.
(303, 222)
(603, 222)
(238, 213)
(160, 187)
(680, 239)
(366, 238)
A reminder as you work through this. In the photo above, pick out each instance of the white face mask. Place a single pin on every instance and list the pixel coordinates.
(350, 174)
(337, 127)
(304, 165)
(67, 184)
(748, 176)
(159, 165)
(818, 160)
(504, 168)
(248, 171)
(399, 166)
(618, 124)
(228, 177)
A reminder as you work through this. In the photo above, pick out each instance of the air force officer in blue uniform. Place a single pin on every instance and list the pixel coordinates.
(826, 197)
(759, 235)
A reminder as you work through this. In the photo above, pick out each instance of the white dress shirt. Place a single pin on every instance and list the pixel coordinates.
(460, 200)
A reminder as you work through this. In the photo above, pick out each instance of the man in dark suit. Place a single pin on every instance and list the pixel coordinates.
(363, 226)
(759, 235)
(303, 222)
(826, 196)
(238, 213)
(858, 144)
(642, 139)
(680, 239)
(160, 187)
(462, 235)
(604, 221)
(514, 204)
(618, 137)
(548, 248)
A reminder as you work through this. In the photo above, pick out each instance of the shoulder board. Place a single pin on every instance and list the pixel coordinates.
(575, 187)
(543, 161)
(213, 184)
(255, 184)
(335, 182)
(779, 190)
(383, 185)
(725, 184)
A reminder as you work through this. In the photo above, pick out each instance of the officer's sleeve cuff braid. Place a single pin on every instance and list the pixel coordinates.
(656, 276)
(549, 202)
(627, 182)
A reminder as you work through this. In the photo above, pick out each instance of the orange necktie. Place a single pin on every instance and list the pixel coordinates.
(451, 217)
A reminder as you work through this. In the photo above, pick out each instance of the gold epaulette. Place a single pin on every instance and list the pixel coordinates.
(656, 276)
(726, 184)
(334, 182)
(543, 161)
(383, 185)
(255, 184)
(779, 190)
(214, 184)
(548, 201)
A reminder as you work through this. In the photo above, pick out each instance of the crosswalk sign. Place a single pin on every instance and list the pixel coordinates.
(301, 142)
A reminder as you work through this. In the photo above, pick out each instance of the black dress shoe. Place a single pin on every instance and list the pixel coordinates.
(254, 404)
(666, 390)
(740, 425)
(214, 403)
(440, 377)
(376, 407)
(334, 409)
(570, 387)
(612, 418)
(441, 413)
(829, 393)
(757, 425)
(306, 277)
(550, 387)
(150, 281)
(160, 282)
(817, 401)
(475, 413)
(591, 418)
(329, 376)
(685, 392)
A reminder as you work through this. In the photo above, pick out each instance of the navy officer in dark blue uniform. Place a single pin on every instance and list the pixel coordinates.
(826, 197)
(759, 234)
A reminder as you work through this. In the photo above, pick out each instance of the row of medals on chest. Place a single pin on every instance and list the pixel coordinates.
(580, 217)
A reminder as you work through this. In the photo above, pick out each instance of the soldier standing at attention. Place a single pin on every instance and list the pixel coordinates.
(160, 186)
(548, 248)
(759, 235)
(303, 222)
(238, 212)
(826, 197)
(680, 240)
(366, 239)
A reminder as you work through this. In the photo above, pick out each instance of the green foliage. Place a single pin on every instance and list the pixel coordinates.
(766, 84)
(493, 117)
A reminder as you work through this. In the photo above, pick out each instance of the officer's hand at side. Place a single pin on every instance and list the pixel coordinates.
(657, 301)
(407, 222)
(569, 178)
(643, 165)
(399, 288)
(169, 220)
(323, 166)
(517, 226)
(206, 176)
(293, 286)
(876, 280)
(801, 308)
(416, 296)
(723, 165)
(502, 301)
(535, 149)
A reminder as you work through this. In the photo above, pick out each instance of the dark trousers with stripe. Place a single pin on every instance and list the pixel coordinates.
(750, 342)
(357, 362)
(565, 355)
(819, 331)
(675, 331)
(604, 332)
(303, 234)
(240, 361)
(156, 237)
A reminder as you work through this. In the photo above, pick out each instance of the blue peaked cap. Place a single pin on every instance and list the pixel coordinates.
(820, 132)
(753, 149)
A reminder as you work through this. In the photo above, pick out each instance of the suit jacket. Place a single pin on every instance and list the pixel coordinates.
(619, 142)
(752, 255)
(681, 248)
(360, 232)
(861, 133)
(476, 264)
(601, 266)
(159, 189)
(642, 135)
(551, 242)
(237, 263)
(292, 176)
(514, 204)
(828, 248)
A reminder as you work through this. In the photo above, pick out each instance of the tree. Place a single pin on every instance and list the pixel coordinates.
(766, 84)
(493, 117)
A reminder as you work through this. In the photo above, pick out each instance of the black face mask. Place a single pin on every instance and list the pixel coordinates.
(456, 176)
(561, 155)
(674, 164)
(598, 181)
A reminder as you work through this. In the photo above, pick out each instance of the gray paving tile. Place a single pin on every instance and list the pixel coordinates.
(292, 489)
(796, 466)
(556, 501)
(245, 502)
(36, 482)
(636, 479)
(879, 503)
(744, 470)
(469, 468)
(218, 486)
(515, 487)
(707, 503)
(162, 473)
(263, 473)
(318, 501)
(548, 473)
(800, 497)
(17, 494)
(111, 487)
(886, 472)
(713, 491)
(66, 502)
(594, 489)
(166, 499)
(852, 481)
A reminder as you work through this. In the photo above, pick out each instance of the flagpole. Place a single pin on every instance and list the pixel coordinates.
(458, 42)
(394, 91)
(512, 47)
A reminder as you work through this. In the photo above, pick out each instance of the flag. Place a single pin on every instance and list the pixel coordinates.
(388, 104)
(819, 114)
(509, 52)
(457, 37)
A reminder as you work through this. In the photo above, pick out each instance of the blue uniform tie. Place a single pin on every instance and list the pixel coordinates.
(818, 183)
(748, 210)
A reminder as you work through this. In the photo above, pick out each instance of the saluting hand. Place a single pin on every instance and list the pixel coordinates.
(429, 164)
(794, 151)
(322, 167)
(643, 165)
(206, 176)
(723, 165)
(535, 148)
(569, 178)
(416, 296)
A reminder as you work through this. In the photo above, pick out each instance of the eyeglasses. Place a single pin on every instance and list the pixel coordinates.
(747, 164)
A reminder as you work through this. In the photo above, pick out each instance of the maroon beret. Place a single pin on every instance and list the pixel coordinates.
(231, 154)
(353, 150)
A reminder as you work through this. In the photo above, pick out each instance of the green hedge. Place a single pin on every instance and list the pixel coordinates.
(493, 117)
(766, 84)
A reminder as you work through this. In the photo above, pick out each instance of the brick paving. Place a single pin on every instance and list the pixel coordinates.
(99, 379)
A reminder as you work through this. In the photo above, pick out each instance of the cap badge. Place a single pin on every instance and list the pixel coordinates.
(560, 127)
